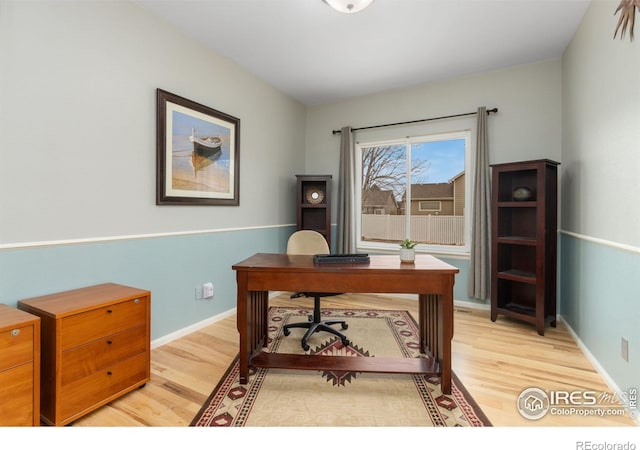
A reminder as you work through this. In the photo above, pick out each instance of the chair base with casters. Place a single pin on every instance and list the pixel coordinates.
(315, 324)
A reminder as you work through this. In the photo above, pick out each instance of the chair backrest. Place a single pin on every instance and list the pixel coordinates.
(307, 242)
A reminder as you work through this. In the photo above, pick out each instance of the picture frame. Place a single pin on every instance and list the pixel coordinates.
(198, 153)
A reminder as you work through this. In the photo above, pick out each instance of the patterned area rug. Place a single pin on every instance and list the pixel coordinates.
(276, 397)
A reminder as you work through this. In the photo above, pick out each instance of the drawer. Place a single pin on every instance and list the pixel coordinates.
(86, 394)
(16, 396)
(86, 359)
(83, 327)
(17, 346)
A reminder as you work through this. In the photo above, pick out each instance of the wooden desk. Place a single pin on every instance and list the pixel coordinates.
(429, 277)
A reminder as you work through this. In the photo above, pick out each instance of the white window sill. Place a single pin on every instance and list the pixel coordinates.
(394, 250)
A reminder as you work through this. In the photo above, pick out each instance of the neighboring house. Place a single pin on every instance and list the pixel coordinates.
(458, 194)
(378, 201)
(446, 199)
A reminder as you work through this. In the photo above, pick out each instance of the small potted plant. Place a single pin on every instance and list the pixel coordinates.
(407, 251)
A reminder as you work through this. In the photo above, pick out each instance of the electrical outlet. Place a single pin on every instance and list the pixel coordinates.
(624, 349)
(207, 290)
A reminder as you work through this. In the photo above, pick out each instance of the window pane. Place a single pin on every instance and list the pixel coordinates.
(383, 183)
(430, 205)
(414, 188)
(438, 192)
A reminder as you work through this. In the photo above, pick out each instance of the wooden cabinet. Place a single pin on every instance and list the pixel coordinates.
(95, 347)
(314, 204)
(524, 242)
(19, 368)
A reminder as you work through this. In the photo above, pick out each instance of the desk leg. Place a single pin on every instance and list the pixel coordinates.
(252, 309)
(244, 320)
(446, 328)
(428, 324)
(436, 331)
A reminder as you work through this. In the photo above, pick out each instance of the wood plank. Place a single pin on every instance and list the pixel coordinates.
(425, 366)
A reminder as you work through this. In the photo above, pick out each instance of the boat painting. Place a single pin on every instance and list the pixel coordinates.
(207, 146)
(197, 153)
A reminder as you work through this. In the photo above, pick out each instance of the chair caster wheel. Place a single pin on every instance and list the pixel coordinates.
(345, 342)
(305, 347)
(286, 331)
(344, 326)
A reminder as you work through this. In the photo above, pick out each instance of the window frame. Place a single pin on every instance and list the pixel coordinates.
(438, 209)
(452, 250)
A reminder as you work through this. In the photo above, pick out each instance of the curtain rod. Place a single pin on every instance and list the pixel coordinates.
(494, 110)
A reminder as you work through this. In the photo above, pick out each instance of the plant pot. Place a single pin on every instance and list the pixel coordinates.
(407, 255)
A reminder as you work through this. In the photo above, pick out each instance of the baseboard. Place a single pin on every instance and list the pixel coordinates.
(456, 303)
(198, 325)
(191, 329)
(596, 364)
(471, 305)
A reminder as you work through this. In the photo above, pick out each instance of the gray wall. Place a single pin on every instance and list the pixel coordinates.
(77, 125)
(600, 240)
(527, 126)
(78, 159)
(601, 131)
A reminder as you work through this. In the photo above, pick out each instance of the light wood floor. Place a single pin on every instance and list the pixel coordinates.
(494, 361)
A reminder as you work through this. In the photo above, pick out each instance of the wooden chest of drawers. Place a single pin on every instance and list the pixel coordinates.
(19, 368)
(95, 347)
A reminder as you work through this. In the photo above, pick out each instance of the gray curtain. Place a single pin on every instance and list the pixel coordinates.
(479, 267)
(346, 194)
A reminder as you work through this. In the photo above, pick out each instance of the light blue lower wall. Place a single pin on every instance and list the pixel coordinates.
(600, 300)
(599, 296)
(462, 281)
(170, 267)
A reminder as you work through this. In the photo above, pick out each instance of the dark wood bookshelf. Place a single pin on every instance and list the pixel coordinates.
(524, 242)
(314, 204)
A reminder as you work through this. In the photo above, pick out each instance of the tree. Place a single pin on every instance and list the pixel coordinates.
(384, 168)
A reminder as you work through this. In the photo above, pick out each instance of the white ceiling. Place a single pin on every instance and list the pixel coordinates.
(318, 55)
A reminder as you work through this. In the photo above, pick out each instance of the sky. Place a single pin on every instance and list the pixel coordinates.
(445, 160)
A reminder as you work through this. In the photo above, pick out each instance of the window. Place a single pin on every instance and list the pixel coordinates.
(414, 188)
(430, 205)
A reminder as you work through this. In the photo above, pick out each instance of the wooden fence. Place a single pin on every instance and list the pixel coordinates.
(441, 230)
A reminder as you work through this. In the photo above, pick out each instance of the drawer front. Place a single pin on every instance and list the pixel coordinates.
(79, 362)
(17, 346)
(16, 396)
(83, 327)
(88, 393)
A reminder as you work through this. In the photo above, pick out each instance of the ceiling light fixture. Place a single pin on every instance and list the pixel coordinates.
(348, 6)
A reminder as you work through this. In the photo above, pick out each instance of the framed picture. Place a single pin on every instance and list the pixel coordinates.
(198, 153)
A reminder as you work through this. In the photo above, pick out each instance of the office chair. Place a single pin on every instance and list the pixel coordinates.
(309, 242)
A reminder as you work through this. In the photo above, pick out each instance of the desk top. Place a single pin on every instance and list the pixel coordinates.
(378, 263)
